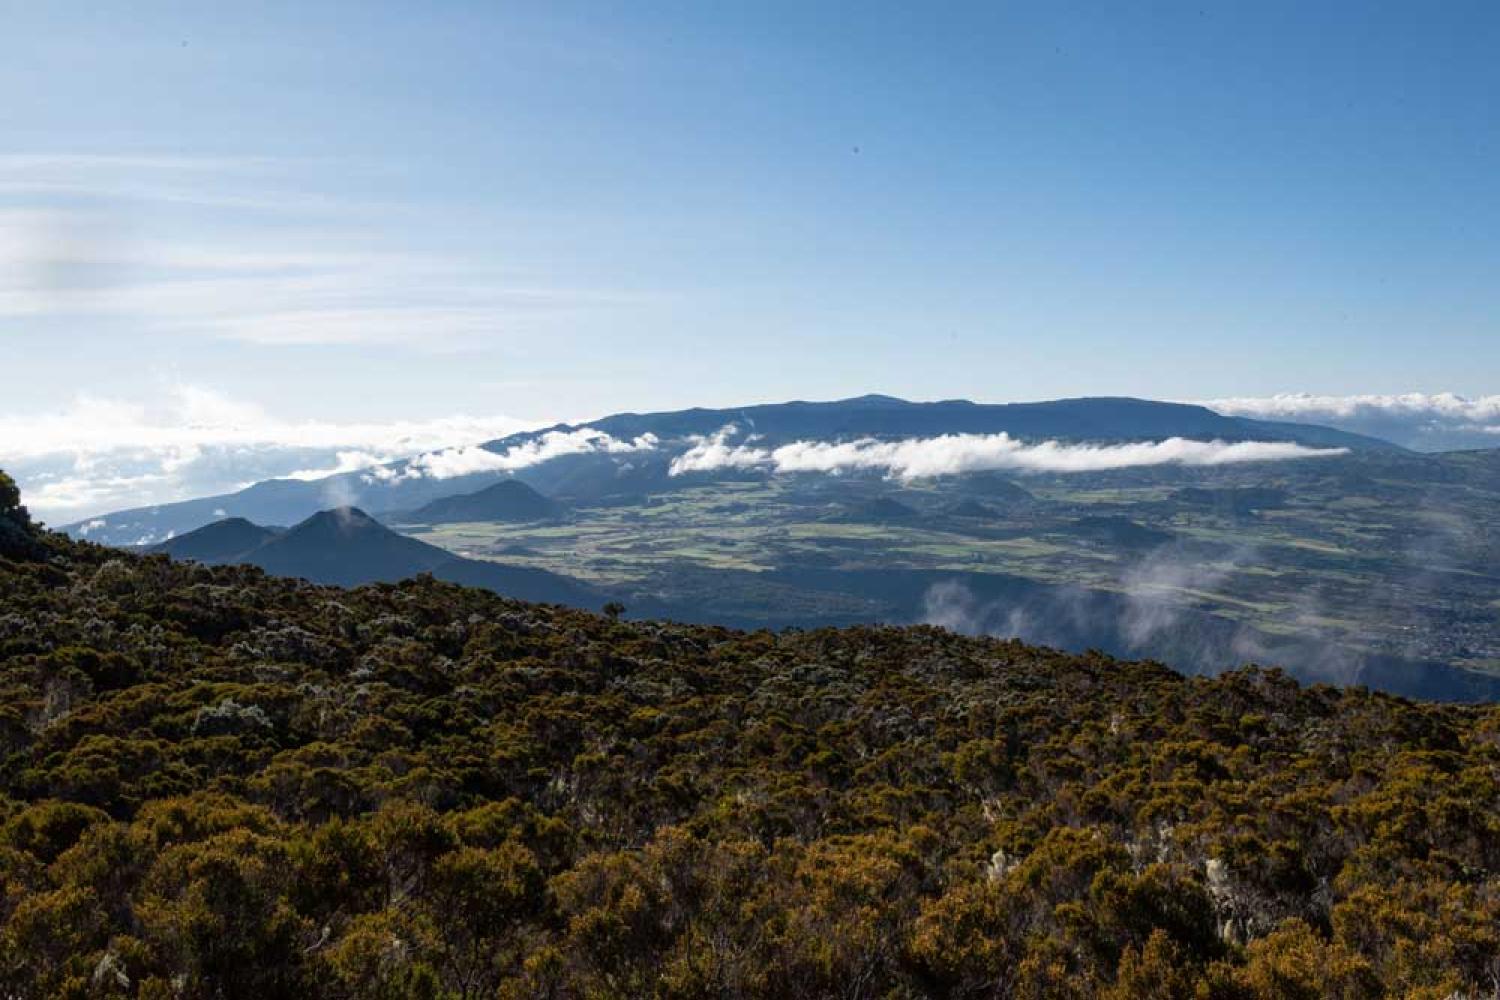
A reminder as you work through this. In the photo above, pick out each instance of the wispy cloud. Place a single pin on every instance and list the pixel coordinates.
(135, 181)
(231, 249)
(1426, 421)
(949, 454)
(99, 454)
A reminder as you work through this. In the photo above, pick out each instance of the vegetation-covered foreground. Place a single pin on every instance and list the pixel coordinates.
(221, 784)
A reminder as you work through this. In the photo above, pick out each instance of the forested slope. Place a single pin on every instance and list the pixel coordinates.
(222, 784)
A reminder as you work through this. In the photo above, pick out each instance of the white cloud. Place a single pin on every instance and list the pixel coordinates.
(189, 416)
(351, 460)
(949, 454)
(714, 451)
(463, 461)
(1426, 421)
(100, 454)
(1485, 409)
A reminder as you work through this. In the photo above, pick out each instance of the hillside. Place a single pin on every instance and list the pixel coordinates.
(221, 783)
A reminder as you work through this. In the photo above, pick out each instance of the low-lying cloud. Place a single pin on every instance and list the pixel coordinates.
(1154, 609)
(102, 454)
(1419, 420)
(1157, 590)
(951, 454)
(470, 459)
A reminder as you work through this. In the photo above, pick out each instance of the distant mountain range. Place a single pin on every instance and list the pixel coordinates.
(592, 476)
(1096, 419)
(347, 547)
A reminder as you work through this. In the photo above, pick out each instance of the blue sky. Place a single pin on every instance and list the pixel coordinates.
(374, 212)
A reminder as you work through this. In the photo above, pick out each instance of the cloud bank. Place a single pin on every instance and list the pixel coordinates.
(102, 454)
(1419, 420)
(950, 454)
(469, 459)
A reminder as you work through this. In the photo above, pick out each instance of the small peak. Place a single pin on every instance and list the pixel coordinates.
(345, 513)
(339, 517)
(877, 399)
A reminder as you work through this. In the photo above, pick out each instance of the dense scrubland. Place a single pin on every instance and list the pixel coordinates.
(217, 783)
